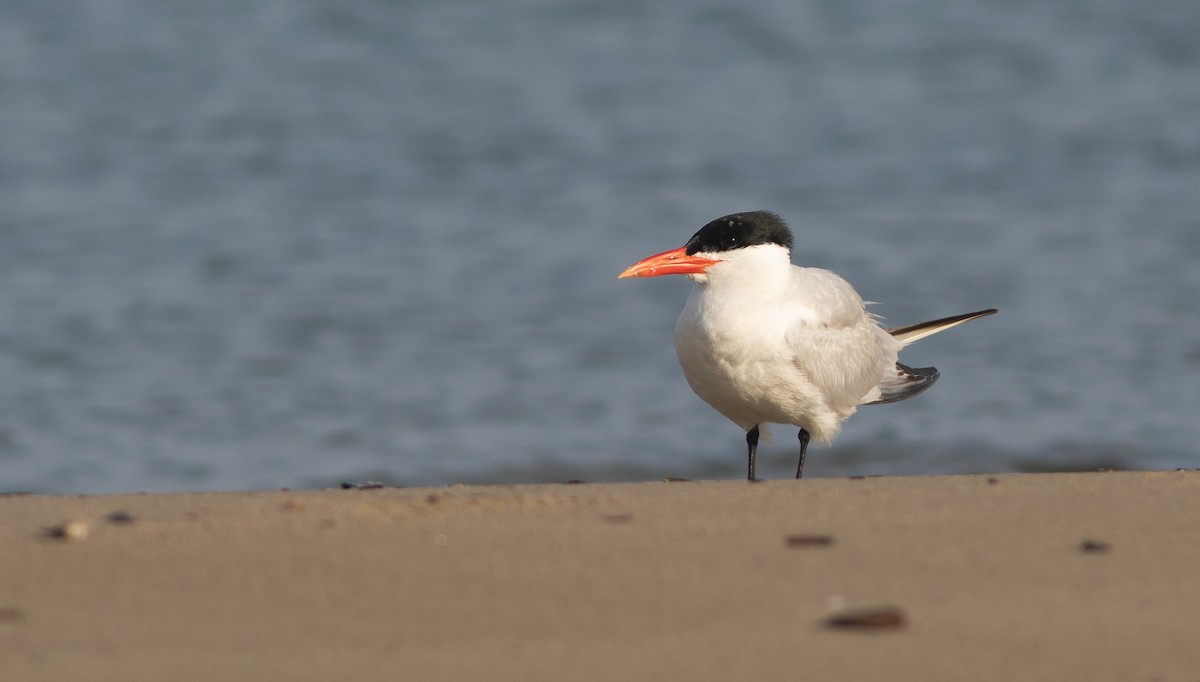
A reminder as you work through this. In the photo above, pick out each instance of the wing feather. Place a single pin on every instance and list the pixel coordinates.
(916, 332)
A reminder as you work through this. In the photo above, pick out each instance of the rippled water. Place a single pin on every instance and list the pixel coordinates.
(258, 244)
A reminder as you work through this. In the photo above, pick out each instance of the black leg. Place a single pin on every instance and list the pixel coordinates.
(752, 443)
(803, 451)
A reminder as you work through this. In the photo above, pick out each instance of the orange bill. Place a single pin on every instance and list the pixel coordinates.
(673, 262)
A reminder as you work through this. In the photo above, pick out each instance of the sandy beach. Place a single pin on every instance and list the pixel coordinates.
(1034, 577)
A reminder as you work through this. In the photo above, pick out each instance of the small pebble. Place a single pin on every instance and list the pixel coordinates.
(1094, 546)
(618, 518)
(74, 531)
(809, 540)
(10, 614)
(120, 516)
(878, 618)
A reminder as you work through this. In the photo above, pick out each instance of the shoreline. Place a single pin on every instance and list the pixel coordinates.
(1001, 576)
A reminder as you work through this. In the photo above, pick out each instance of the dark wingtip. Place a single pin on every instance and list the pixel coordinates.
(909, 381)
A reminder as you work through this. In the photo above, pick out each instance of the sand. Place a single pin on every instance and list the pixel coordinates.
(1010, 577)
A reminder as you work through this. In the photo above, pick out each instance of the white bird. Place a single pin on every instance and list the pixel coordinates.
(762, 340)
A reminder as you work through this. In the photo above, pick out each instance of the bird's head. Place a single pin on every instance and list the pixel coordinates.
(731, 238)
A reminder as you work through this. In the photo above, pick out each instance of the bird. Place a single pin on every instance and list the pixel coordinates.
(764, 341)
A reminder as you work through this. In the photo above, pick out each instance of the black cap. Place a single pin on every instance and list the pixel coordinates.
(739, 230)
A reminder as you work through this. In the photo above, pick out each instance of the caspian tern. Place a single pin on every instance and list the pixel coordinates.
(762, 340)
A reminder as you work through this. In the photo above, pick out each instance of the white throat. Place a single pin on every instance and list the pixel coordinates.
(763, 268)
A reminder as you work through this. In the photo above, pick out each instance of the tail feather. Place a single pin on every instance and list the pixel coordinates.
(907, 381)
(916, 332)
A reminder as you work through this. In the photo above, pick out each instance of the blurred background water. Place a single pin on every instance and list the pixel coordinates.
(257, 244)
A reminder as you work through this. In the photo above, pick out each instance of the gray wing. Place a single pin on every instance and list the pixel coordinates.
(905, 382)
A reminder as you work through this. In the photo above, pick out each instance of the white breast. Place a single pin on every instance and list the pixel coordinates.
(797, 348)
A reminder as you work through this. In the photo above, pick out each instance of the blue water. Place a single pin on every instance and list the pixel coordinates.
(263, 244)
